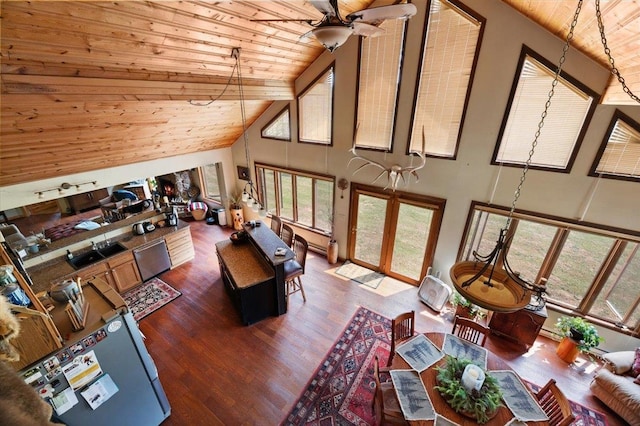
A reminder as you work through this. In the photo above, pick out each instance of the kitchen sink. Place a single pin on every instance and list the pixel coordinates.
(112, 249)
(94, 256)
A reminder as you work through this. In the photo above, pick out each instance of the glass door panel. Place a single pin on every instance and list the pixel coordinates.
(369, 229)
(410, 242)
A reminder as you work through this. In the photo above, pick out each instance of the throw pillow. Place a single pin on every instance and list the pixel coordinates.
(619, 362)
(635, 368)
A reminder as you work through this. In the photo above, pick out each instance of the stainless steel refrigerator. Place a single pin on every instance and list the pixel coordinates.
(104, 375)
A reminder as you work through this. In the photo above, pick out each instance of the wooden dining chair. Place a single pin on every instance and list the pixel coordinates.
(402, 328)
(294, 268)
(470, 330)
(276, 225)
(555, 404)
(287, 234)
(385, 407)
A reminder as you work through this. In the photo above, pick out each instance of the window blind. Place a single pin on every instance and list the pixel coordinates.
(444, 80)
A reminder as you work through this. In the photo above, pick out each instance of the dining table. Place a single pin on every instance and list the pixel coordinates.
(428, 376)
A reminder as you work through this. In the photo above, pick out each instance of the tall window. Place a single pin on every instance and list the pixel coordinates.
(315, 110)
(451, 44)
(590, 270)
(379, 78)
(209, 176)
(619, 154)
(305, 199)
(279, 128)
(565, 123)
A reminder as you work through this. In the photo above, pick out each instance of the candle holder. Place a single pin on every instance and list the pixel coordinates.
(452, 380)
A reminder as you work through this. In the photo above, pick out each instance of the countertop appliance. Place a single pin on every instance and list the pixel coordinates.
(138, 228)
(152, 259)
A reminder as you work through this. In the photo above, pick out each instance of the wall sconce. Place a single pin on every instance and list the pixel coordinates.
(63, 187)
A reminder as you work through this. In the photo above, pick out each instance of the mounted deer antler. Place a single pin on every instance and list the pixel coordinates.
(395, 172)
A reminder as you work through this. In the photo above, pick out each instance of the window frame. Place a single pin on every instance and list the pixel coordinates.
(565, 226)
(332, 68)
(617, 116)
(259, 167)
(471, 15)
(595, 100)
(286, 109)
(203, 182)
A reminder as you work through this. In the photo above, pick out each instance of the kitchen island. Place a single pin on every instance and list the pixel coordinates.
(253, 275)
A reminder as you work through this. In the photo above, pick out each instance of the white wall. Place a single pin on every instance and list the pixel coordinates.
(24, 194)
(470, 177)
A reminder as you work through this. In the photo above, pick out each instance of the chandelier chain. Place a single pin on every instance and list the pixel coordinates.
(547, 105)
(607, 51)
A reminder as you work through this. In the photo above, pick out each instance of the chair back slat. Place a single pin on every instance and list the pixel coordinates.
(402, 328)
(555, 404)
(470, 330)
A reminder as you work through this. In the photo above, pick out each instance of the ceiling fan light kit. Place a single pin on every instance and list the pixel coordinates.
(332, 37)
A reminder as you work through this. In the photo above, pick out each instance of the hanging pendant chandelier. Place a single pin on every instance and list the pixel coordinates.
(488, 281)
(250, 195)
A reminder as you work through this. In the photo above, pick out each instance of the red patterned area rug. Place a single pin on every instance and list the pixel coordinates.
(341, 390)
(149, 297)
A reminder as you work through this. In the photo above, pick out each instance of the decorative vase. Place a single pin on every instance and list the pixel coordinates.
(332, 252)
(238, 219)
(568, 350)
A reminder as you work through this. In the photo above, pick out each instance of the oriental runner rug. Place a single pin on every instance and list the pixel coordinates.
(340, 391)
(149, 297)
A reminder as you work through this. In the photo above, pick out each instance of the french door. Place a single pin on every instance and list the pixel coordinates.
(393, 232)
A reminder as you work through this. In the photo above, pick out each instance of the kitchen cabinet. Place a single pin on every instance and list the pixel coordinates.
(39, 335)
(124, 271)
(180, 247)
(98, 271)
(120, 272)
(522, 326)
(87, 200)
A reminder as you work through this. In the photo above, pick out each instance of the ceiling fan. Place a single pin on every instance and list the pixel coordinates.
(332, 30)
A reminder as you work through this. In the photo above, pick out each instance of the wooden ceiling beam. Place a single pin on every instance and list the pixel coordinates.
(77, 88)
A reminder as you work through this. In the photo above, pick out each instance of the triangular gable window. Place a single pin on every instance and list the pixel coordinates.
(280, 127)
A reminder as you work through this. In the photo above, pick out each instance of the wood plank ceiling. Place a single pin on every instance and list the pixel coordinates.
(89, 85)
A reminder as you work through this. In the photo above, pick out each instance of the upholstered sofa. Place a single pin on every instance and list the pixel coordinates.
(615, 385)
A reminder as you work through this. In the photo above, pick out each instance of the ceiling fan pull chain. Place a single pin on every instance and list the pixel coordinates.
(607, 51)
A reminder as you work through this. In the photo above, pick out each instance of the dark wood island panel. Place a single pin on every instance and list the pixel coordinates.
(249, 280)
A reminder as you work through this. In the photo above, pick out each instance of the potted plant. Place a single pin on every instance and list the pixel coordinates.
(480, 405)
(464, 308)
(577, 335)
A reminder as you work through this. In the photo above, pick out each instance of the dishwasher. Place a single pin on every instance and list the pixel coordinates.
(152, 259)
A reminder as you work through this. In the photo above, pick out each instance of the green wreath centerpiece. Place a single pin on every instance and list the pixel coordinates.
(481, 405)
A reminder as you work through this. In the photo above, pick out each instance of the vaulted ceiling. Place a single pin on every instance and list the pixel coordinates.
(89, 85)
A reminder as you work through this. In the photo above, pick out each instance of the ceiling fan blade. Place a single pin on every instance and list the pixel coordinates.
(367, 30)
(308, 21)
(376, 15)
(324, 6)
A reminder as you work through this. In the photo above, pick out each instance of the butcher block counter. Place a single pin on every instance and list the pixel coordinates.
(253, 275)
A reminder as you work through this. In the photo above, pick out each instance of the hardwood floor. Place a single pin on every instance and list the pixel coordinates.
(217, 371)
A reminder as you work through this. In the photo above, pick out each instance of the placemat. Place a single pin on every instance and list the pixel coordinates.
(412, 395)
(517, 398)
(419, 352)
(460, 348)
